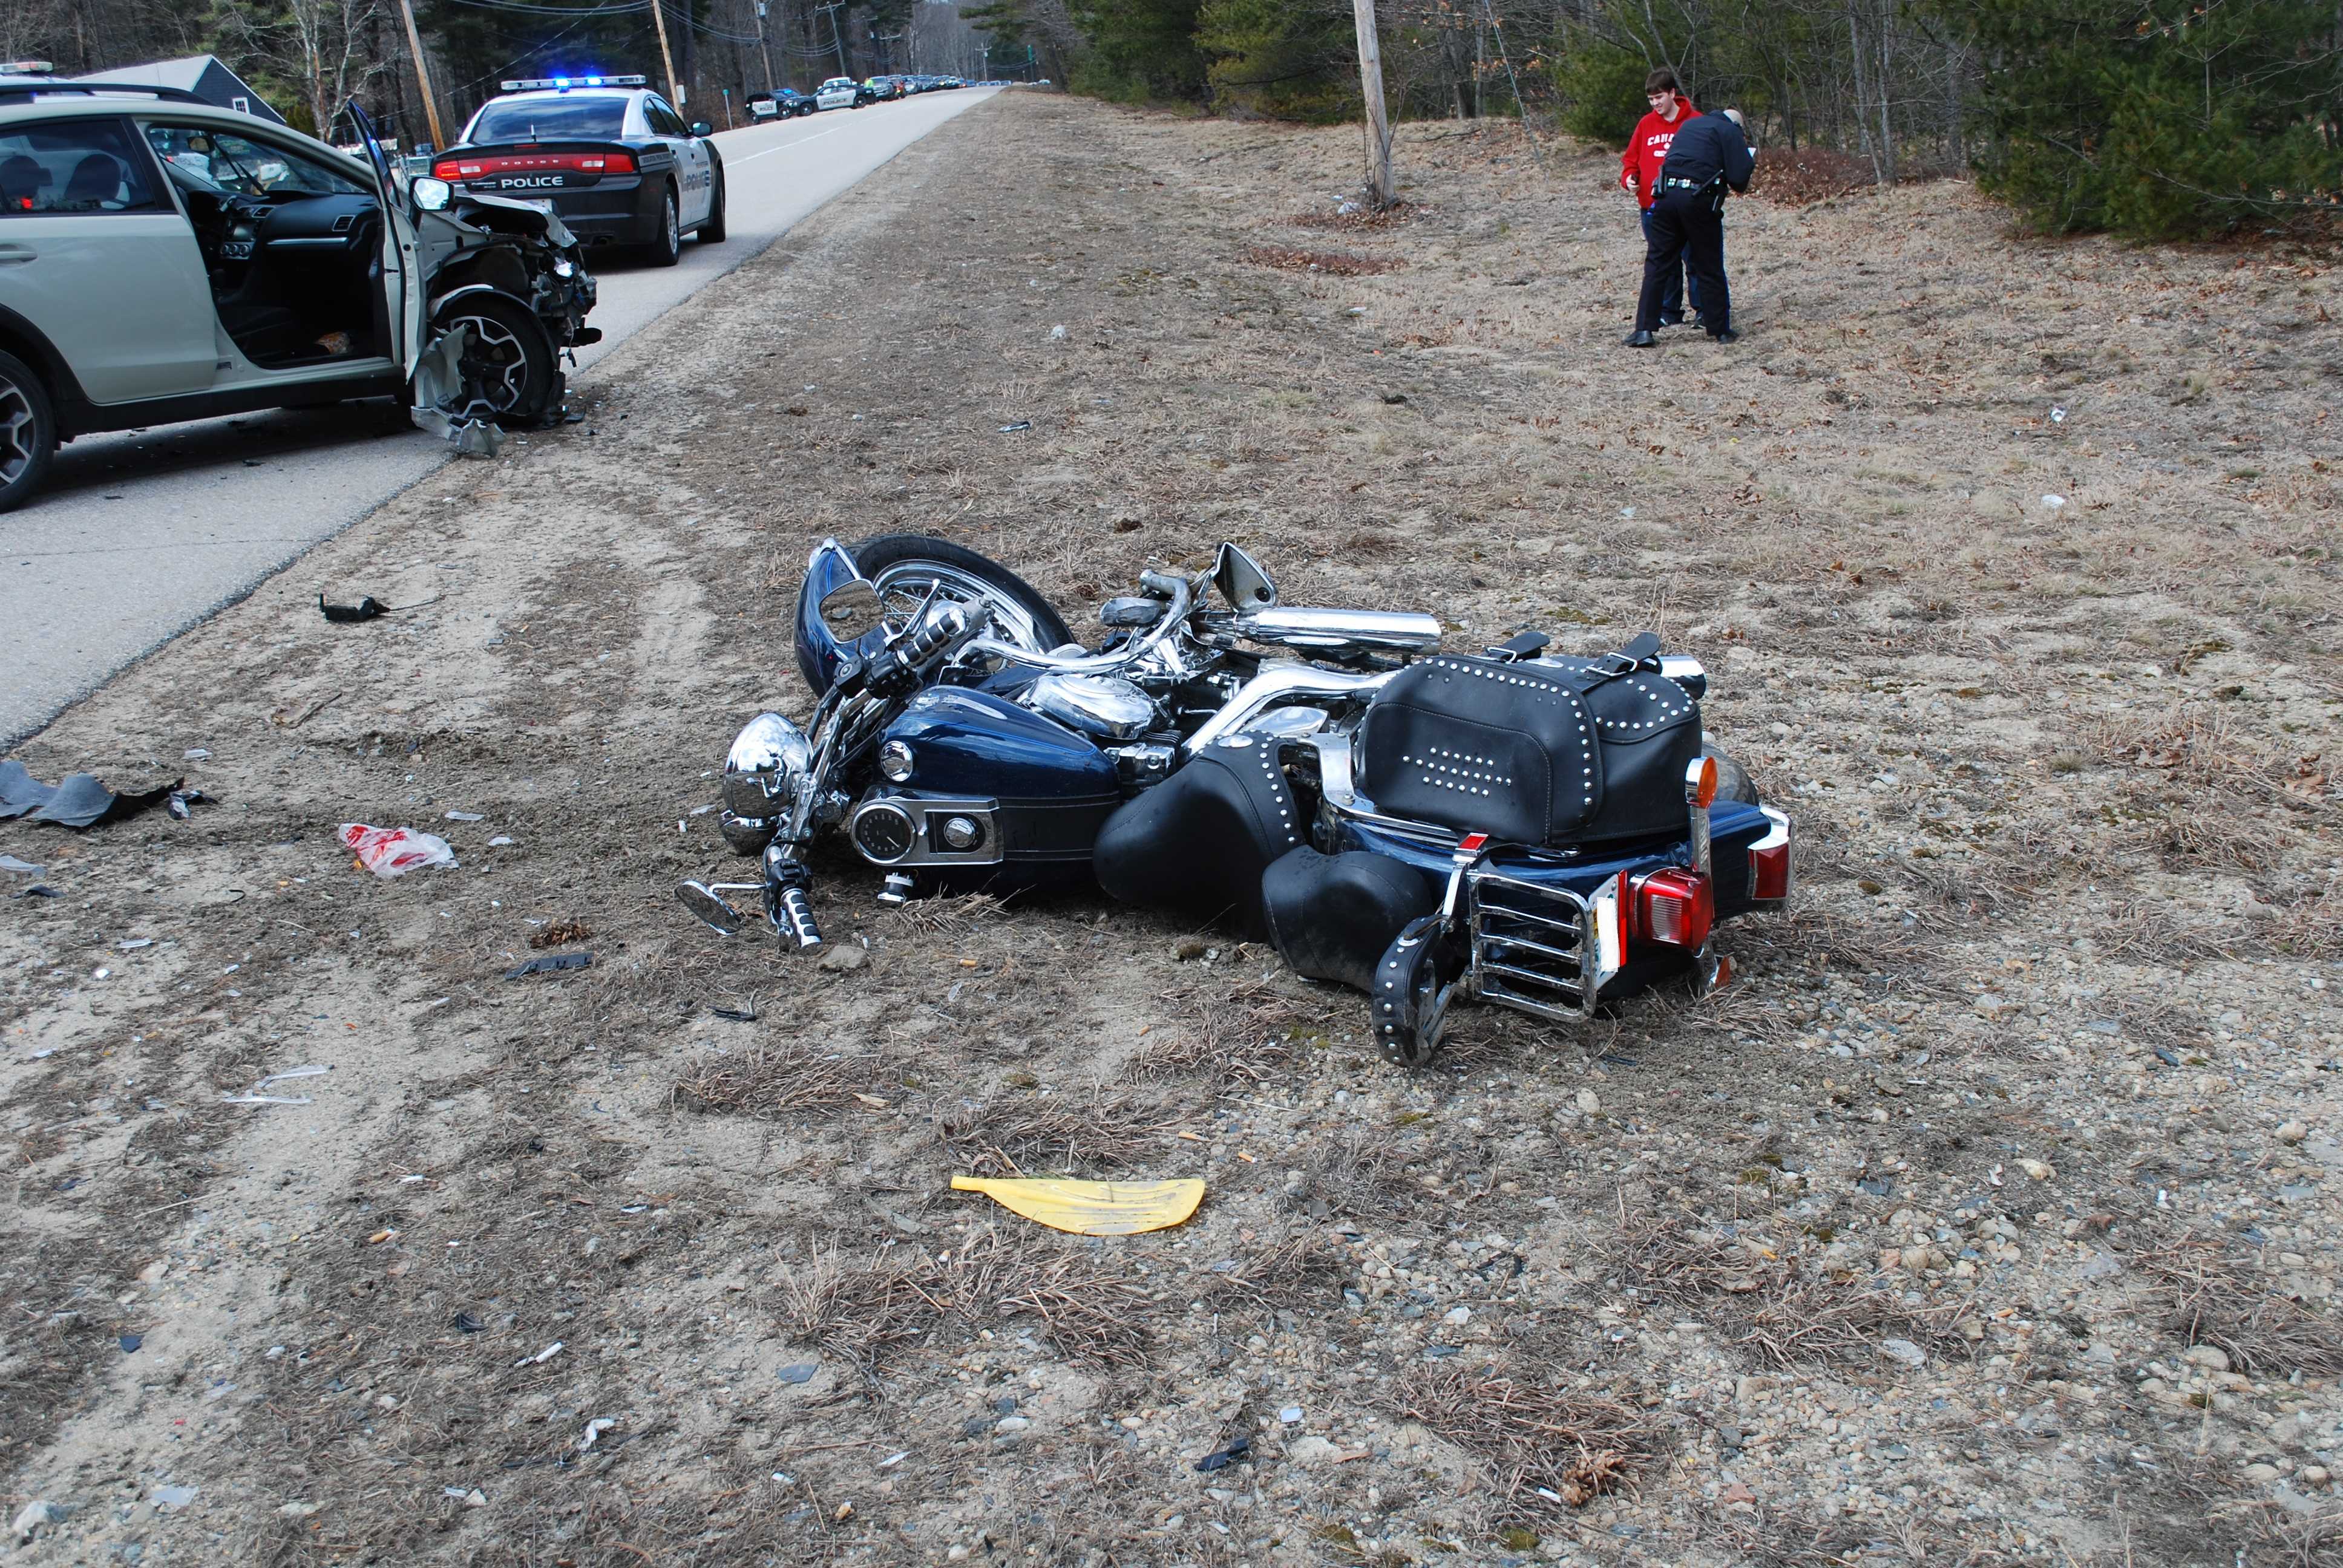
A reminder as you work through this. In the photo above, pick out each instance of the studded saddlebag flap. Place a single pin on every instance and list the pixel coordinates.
(1552, 751)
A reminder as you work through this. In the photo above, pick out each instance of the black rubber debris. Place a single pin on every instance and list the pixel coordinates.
(550, 963)
(21, 792)
(366, 608)
(1222, 1458)
(81, 801)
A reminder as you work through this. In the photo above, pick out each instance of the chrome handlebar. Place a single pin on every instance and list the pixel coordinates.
(1182, 595)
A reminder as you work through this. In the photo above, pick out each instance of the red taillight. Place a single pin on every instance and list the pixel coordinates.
(1674, 906)
(1769, 861)
(525, 163)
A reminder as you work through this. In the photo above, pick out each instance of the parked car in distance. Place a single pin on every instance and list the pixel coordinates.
(781, 103)
(843, 93)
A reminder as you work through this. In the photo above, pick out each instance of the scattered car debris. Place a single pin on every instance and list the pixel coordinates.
(286, 718)
(315, 1071)
(735, 1015)
(1092, 1208)
(394, 851)
(594, 1430)
(465, 1323)
(439, 387)
(32, 1515)
(550, 963)
(466, 817)
(542, 1357)
(130, 1343)
(267, 1099)
(799, 1372)
(80, 800)
(1220, 1458)
(40, 890)
(366, 608)
(10, 863)
(183, 802)
(1019, 424)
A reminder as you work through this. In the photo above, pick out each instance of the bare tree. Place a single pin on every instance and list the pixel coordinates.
(320, 46)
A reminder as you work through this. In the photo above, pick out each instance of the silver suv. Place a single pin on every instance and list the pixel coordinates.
(163, 259)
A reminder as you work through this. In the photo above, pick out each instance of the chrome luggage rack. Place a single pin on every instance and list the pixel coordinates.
(1541, 950)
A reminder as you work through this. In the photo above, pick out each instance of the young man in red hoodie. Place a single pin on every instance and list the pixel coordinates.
(1639, 171)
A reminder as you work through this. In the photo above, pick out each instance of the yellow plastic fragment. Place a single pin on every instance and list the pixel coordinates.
(1092, 1208)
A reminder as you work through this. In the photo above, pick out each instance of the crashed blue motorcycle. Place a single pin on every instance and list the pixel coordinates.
(1541, 832)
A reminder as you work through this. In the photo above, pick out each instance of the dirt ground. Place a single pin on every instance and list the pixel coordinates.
(1988, 1218)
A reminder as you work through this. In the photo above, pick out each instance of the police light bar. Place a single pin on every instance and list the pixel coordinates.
(27, 68)
(563, 83)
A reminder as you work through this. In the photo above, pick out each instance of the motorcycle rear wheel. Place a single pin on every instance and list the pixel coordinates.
(905, 567)
(1732, 780)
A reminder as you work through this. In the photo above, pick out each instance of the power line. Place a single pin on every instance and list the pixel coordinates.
(623, 8)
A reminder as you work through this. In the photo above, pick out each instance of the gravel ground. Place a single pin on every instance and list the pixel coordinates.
(1988, 1218)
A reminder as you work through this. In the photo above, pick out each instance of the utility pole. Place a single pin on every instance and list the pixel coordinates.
(422, 74)
(765, 48)
(1370, 84)
(658, 17)
(837, 37)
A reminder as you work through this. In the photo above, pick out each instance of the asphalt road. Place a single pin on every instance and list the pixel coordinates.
(142, 535)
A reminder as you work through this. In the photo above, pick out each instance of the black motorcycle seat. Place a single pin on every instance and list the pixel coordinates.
(1198, 842)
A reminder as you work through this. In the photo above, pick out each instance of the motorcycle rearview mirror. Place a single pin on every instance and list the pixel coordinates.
(852, 610)
(1241, 581)
(711, 906)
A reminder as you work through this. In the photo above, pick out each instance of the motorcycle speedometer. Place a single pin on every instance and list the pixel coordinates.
(884, 832)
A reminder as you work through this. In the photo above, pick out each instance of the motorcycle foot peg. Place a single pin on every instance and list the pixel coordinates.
(897, 891)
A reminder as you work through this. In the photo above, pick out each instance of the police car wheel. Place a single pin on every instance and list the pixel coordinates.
(506, 364)
(711, 228)
(666, 240)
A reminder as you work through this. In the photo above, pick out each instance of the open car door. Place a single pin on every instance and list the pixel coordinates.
(402, 261)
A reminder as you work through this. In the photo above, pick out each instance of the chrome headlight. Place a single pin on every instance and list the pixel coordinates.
(770, 764)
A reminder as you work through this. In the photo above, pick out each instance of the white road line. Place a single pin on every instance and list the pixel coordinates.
(785, 147)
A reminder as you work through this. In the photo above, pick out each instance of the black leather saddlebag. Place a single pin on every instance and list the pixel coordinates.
(1566, 751)
(1197, 843)
(1332, 916)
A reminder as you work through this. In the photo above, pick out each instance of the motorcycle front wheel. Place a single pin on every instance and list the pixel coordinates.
(906, 569)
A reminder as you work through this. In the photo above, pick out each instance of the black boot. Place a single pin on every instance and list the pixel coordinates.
(1640, 338)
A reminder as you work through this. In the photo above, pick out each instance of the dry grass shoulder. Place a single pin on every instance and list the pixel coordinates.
(1988, 1219)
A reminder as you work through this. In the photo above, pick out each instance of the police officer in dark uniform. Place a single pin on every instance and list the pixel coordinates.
(1710, 154)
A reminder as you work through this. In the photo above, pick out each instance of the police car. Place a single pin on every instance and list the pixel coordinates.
(606, 153)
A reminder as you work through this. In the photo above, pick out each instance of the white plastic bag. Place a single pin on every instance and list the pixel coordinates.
(394, 851)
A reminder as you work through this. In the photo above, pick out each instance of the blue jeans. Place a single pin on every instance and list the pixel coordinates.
(1681, 286)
